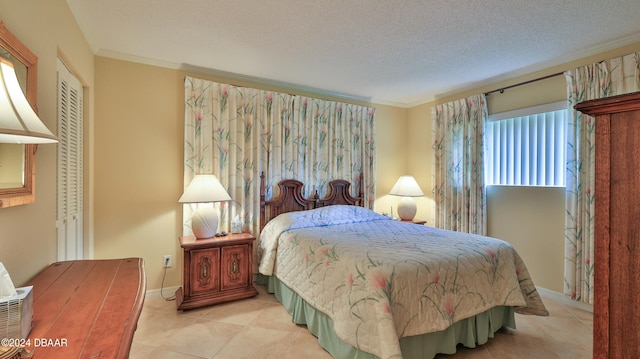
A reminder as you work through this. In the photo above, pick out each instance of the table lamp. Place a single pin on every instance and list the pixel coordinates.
(18, 122)
(204, 189)
(406, 187)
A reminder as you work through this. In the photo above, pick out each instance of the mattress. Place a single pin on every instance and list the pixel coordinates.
(380, 281)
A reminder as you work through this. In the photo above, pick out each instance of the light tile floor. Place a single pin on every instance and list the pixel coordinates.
(261, 328)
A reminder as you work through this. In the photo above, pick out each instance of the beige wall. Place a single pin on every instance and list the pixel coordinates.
(532, 220)
(403, 147)
(420, 155)
(138, 164)
(139, 161)
(392, 160)
(48, 29)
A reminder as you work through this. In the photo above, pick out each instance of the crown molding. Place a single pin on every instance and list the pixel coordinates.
(415, 101)
(289, 86)
(231, 76)
(558, 61)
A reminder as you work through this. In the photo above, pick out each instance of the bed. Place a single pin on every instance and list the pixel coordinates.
(369, 286)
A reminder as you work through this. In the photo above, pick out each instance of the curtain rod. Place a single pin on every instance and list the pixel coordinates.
(501, 90)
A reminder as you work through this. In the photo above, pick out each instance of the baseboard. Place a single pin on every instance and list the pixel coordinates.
(560, 297)
(167, 290)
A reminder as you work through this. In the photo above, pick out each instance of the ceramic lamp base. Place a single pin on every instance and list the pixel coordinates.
(407, 208)
(204, 222)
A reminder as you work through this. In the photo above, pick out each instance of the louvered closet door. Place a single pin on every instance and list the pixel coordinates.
(70, 184)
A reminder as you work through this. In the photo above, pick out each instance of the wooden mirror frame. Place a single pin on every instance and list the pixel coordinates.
(26, 194)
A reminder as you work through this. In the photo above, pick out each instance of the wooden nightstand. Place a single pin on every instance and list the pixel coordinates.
(414, 221)
(216, 270)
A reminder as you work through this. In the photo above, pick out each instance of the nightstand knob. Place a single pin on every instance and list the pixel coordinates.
(234, 266)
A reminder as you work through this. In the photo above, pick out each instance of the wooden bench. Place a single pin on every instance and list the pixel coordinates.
(86, 308)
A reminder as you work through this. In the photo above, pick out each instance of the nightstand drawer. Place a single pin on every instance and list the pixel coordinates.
(235, 270)
(203, 271)
(216, 270)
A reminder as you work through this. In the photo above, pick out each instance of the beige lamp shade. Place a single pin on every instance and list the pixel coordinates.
(407, 188)
(204, 189)
(18, 121)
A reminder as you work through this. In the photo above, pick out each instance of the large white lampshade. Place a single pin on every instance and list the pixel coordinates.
(18, 121)
(407, 188)
(204, 189)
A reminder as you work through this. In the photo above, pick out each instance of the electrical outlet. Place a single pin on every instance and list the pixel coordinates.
(167, 261)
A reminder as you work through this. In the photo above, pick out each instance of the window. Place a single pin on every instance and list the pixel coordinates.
(527, 147)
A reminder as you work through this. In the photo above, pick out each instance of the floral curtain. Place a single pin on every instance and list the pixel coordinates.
(236, 133)
(319, 141)
(459, 165)
(607, 78)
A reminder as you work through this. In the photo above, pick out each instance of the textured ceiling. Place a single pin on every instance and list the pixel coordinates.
(399, 52)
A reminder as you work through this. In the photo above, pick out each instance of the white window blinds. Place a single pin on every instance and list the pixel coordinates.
(527, 147)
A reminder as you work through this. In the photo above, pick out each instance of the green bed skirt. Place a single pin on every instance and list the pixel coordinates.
(468, 332)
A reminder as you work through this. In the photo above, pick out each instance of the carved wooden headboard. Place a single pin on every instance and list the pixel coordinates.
(290, 198)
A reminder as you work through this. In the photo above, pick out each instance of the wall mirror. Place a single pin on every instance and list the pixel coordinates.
(17, 162)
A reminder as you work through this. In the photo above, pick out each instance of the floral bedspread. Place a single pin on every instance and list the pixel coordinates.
(380, 279)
